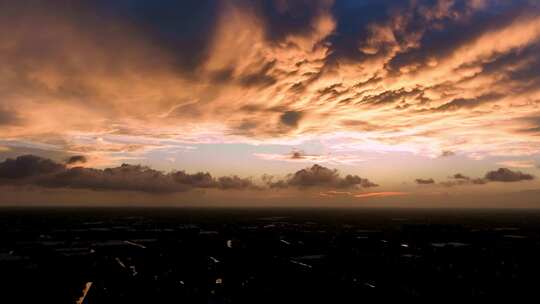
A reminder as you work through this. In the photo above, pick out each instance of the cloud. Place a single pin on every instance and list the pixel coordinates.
(334, 193)
(500, 175)
(459, 179)
(234, 182)
(28, 166)
(190, 44)
(291, 118)
(507, 175)
(301, 156)
(38, 171)
(319, 177)
(34, 170)
(461, 176)
(447, 153)
(428, 181)
(421, 77)
(380, 194)
(75, 159)
(297, 155)
(467, 103)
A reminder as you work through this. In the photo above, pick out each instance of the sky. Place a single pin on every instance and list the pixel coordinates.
(430, 103)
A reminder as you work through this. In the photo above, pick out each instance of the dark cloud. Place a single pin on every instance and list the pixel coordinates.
(421, 181)
(467, 103)
(300, 155)
(126, 178)
(507, 175)
(76, 159)
(28, 166)
(500, 175)
(198, 180)
(440, 29)
(185, 28)
(284, 18)
(234, 182)
(314, 176)
(291, 118)
(528, 73)
(478, 181)
(259, 78)
(390, 97)
(459, 179)
(533, 123)
(461, 176)
(447, 153)
(353, 18)
(34, 170)
(297, 88)
(181, 31)
(454, 29)
(319, 177)
(331, 90)
(297, 154)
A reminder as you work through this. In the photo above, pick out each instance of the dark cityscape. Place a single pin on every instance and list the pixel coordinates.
(266, 256)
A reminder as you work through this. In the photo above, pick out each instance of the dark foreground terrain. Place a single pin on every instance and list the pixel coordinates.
(266, 256)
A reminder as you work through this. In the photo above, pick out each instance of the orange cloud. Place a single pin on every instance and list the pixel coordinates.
(395, 86)
(380, 194)
(334, 193)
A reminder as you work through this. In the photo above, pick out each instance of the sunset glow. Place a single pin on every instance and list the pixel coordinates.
(271, 97)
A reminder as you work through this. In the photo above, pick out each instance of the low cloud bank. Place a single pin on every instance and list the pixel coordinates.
(319, 176)
(503, 175)
(35, 170)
